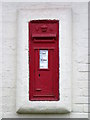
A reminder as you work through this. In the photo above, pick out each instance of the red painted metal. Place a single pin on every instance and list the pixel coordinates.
(44, 82)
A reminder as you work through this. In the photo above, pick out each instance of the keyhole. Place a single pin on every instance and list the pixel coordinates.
(39, 75)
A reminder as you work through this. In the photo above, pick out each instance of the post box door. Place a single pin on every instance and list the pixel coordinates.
(44, 62)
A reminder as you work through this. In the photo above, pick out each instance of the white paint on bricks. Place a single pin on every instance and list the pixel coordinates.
(80, 44)
(86, 108)
(78, 107)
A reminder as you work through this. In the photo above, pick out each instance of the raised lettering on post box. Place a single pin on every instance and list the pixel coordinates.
(44, 60)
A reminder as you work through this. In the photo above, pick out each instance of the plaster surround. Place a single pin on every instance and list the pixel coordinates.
(23, 105)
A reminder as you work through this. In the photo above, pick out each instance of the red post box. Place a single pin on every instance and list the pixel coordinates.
(44, 60)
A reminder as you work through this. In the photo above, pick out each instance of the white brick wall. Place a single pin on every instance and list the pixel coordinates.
(80, 58)
(0, 61)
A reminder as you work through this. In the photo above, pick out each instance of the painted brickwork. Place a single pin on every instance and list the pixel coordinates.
(0, 60)
(80, 57)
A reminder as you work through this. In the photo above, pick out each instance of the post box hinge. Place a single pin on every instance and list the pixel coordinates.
(29, 57)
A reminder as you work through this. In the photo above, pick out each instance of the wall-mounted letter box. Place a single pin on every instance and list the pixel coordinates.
(44, 60)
